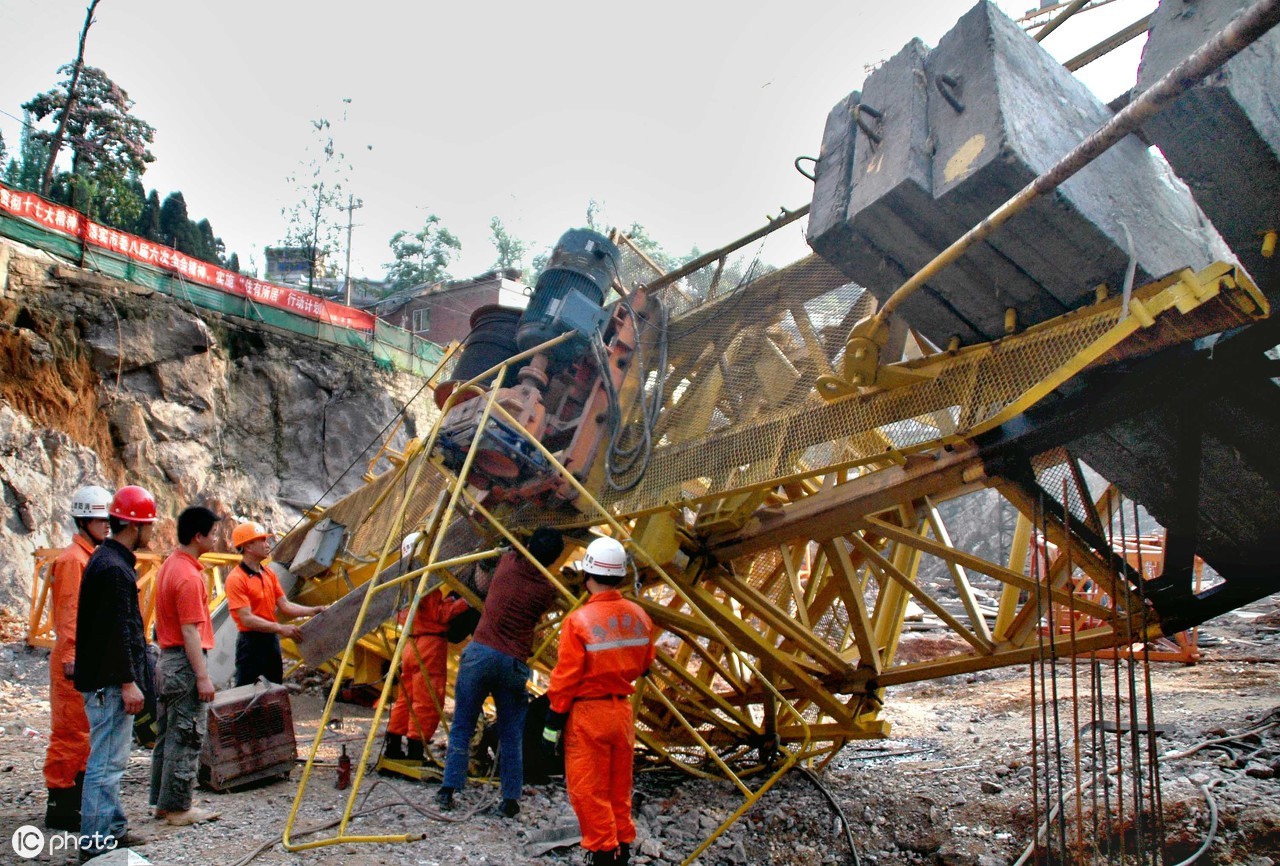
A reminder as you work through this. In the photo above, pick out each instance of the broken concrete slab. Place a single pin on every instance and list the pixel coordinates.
(1004, 112)
(938, 140)
(828, 231)
(1223, 136)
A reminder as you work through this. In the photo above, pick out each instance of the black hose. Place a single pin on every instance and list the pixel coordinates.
(844, 822)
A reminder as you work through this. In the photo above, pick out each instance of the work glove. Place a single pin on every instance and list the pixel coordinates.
(553, 734)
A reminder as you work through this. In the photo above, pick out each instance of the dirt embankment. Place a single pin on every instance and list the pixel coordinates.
(103, 382)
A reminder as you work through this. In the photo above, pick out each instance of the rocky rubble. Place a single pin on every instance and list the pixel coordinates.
(953, 786)
(103, 382)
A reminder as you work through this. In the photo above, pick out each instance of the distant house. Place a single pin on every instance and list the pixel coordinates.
(441, 312)
(291, 265)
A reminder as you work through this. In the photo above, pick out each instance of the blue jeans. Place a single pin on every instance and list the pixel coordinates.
(483, 671)
(110, 738)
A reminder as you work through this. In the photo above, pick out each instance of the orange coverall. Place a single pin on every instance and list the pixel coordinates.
(69, 737)
(605, 646)
(428, 636)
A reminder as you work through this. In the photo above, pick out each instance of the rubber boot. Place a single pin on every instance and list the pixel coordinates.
(395, 747)
(60, 813)
(444, 798)
(415, 750)
(601, 858)
(624, 854)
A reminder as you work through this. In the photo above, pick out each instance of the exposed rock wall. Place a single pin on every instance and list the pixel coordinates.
(105, 382)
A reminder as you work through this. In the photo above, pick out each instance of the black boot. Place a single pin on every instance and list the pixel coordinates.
(63, 810)
(601, 858)
(444, 798)
(624, 854)
(415, 750)
(394, 749)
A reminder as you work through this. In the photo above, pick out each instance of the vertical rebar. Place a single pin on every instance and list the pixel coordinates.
(1153, 764)
(1135, 750)
(1070, 586)
(1115, 679)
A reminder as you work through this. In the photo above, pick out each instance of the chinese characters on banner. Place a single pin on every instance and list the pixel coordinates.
(63, 220)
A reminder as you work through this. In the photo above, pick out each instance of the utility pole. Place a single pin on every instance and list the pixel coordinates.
(353, 204)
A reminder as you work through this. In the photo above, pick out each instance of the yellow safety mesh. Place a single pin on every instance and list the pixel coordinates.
(739, 404)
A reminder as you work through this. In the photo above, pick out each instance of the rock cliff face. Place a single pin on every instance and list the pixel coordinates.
(104, 382)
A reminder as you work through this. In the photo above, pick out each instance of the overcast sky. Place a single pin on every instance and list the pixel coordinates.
(683, 116)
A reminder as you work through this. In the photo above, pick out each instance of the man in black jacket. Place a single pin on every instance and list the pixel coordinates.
(113, 669)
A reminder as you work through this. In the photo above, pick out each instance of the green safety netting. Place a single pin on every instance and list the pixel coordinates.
(390, 347)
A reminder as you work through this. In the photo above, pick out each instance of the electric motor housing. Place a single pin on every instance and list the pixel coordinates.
(583, 261)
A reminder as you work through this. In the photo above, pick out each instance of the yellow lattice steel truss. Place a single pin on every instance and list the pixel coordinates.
(779, 536)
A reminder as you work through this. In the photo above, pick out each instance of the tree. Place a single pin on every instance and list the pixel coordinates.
(3, 149)
(422, 256)
(24, 169)
(173, 221)
(209, 247)
(313, 221)
(72, 95)
(120, 205)
(510, 250)
(108, 144)
(149, 223)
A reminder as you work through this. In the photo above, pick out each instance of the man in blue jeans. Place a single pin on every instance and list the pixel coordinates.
(494, 664)
(113, 669)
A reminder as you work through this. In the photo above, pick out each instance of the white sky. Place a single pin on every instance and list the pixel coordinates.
(685, 116)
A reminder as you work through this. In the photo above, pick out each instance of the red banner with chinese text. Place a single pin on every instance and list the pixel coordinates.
(64, 220)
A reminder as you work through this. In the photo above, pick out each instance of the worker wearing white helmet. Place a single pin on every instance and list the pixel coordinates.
(605, 646)
(68, 751)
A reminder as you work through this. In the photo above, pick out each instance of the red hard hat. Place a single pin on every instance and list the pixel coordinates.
(133, 504)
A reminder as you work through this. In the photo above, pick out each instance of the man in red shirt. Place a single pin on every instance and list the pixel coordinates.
(184, 631)
(605, 646)
(68, 752)
(494, 664)
(254, 597)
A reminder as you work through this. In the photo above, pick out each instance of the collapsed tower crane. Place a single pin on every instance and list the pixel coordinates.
(777, 454)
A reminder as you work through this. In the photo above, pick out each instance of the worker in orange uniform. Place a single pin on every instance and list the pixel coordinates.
(605, 646)
(68, 752)
(254, 598)
(184, 631)
(424, 669)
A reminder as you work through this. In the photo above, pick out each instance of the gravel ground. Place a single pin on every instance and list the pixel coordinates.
(953, 785)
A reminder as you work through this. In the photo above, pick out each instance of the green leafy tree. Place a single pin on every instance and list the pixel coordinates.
(211, 248)
(175, 226)
(511, 250)
(25, 168)
(422, 256)
(4, 151)
(149, 223)
(109, 145)
(314, 219)
(121, 204)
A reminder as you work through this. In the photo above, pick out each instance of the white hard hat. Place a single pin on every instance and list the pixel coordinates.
(605, 557)
(90, 502)
(410, 541)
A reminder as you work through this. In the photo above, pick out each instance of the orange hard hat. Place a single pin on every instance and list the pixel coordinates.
(245, 533)
(133, 504)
